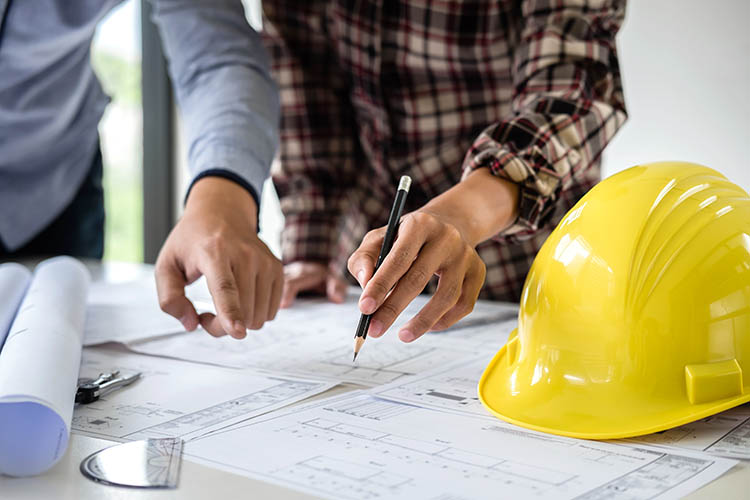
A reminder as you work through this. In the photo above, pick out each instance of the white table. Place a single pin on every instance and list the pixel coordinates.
(65, 481)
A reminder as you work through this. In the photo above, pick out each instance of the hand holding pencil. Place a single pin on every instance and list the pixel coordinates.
(391, 231)
(429, 242)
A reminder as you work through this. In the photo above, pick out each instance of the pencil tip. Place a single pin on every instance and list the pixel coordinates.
(354, 358)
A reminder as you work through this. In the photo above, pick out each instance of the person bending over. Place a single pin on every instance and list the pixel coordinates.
(51, 199)
(498, 110)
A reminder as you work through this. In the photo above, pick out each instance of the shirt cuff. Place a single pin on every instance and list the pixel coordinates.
(537, 192)
(229, 175)
(309, 237)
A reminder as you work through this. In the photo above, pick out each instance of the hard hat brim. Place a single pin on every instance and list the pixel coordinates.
(591, 413)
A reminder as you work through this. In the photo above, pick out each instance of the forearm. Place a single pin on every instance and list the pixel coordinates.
(567, 106)
(480, 206)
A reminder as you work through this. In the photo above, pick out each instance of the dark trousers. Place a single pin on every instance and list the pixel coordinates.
(79, 230)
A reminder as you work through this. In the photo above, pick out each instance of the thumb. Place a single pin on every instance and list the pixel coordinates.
(170, 287)
(288, 294)
(361, 264)
(335, 289)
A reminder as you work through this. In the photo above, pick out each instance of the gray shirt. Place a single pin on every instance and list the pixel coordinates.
(51, 101)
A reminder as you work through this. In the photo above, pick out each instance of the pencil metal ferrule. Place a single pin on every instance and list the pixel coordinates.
(405, 183)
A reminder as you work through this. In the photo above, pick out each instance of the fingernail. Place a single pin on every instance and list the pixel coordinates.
(376, 329)
(361, 277)
(406, 335)
(239, 327)
(367, 305)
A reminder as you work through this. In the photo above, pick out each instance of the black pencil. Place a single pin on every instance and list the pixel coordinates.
(390, 235)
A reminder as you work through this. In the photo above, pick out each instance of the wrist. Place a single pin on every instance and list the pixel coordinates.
(480, 206)
(217, 194)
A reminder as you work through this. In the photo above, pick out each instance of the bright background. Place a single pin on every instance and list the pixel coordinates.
(686, 73)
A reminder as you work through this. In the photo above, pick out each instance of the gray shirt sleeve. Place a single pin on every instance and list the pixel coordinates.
(227, 98)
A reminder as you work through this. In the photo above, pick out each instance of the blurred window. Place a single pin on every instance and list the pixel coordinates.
(116, 56)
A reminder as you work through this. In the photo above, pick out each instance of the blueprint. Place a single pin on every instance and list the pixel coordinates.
(358, 446)
(38, 366)
(14, 279)
(314, 338)
(454, 388)
(317, 354)
(179, 399)
(129, 311)
(451, 388)
(485, 337)
(726, 434)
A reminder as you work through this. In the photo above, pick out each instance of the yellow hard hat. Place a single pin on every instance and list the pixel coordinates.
(635, 315)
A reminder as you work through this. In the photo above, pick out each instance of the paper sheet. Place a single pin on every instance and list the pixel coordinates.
(454, 388)
(315, 338)
(129, 311)
(451, 388)
(485, 336)
(14, 279)
(39, 367)
(726, 434)
(357, 446)
(180, 399)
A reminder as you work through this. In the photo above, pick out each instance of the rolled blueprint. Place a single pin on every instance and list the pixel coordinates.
(39, 368)
(14, 279)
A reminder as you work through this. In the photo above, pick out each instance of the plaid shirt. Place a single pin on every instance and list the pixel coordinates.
(373, 90)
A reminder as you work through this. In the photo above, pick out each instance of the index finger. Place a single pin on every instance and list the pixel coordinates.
(225, 293)
(396, 264)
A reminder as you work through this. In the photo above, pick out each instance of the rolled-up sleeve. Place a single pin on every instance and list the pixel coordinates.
(227, 98)
(567, 105)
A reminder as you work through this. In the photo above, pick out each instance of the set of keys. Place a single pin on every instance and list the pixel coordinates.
(91, 390)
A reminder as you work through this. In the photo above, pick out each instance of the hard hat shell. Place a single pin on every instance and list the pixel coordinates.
(635, 315)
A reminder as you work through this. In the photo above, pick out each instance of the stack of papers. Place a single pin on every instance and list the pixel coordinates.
(418, 431)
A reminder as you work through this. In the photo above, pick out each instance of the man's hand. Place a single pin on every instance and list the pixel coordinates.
(311, 277)
(216, 237)
(438, 239)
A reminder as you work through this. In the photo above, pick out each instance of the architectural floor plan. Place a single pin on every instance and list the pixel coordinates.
(315, 338)
(453, 388)
(358, 446)
(726, 434)
(176, 399)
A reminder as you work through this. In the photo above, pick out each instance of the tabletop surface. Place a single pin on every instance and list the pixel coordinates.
(65, 482)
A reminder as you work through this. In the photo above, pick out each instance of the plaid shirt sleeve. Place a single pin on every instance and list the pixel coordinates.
(567, 105)
(317, 149)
